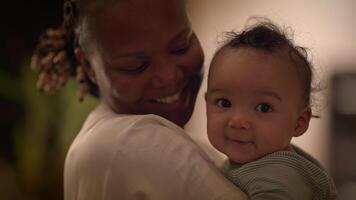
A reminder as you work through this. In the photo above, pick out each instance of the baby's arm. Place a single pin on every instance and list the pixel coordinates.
(273, 183)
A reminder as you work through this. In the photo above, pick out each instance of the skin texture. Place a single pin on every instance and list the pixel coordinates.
(145, 58)
(254, 103)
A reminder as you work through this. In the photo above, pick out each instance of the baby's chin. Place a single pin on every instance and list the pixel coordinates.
(245, 159)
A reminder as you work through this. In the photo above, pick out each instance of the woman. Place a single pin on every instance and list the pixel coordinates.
(140, 57)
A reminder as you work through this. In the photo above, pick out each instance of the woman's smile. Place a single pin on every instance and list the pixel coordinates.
(177, 100)
(168, 99)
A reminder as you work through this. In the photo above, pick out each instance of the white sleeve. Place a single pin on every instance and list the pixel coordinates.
(156, 161)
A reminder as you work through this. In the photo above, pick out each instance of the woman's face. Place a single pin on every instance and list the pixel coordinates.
(146, 59)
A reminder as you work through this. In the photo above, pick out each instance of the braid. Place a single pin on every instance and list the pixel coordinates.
(55, 59)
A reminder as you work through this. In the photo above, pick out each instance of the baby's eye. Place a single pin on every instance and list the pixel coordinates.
(263, 107)
(224, 103)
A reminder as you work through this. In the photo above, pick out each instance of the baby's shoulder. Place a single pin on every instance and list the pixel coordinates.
(288, 172)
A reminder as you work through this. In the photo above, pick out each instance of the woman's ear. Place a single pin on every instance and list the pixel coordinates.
(81, 57)
(303, 121)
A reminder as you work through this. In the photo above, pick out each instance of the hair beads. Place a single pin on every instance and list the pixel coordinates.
(54, 55)
(50, 59)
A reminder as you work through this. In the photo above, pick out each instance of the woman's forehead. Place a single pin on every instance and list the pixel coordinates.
(117, 28)
(126, 11)
(140, 15)
(94, 5)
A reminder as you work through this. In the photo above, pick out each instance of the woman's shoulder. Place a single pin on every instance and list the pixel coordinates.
(105, 123)
(105, 133)
(128, 127)
(125, 154)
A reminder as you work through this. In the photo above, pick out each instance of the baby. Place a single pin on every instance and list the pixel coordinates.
(258, 98)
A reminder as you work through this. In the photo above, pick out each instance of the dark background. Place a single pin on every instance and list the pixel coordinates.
(35, 128)
(22, 22)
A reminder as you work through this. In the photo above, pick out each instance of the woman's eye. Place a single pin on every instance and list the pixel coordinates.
(183, 44)
(263, 107)
(224, 103)
(135, 69)
(180, 50)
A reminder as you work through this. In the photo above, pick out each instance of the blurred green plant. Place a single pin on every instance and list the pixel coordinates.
(44, 132)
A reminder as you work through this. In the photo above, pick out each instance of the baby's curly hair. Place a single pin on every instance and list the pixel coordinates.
(268, 37)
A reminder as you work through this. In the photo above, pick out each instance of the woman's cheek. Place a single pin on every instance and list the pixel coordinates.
(195, 58)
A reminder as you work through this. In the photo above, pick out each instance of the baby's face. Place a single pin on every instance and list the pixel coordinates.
(254, 103)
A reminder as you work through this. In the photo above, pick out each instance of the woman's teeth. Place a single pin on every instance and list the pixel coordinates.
(169, 99)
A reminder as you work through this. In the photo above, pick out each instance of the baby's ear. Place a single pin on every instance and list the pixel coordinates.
(303, 121)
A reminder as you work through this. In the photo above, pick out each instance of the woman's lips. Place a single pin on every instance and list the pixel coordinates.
(178, 100)
(176, 107)
(177, 97)
(169, 99)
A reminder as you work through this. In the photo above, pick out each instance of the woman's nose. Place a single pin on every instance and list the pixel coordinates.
(166, 74)
(240, 120)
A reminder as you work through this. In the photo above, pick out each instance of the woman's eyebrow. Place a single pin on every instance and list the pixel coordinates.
(182, 34)
(188, 31)
(127, 55)
(130, 54)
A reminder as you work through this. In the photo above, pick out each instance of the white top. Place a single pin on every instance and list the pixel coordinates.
(140, 157)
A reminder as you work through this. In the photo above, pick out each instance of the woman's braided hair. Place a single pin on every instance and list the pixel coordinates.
(55, 59)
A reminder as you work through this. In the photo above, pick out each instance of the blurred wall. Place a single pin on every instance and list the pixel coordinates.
(326, 27)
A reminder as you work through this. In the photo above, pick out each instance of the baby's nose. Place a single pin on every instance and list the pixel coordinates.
(240, 121)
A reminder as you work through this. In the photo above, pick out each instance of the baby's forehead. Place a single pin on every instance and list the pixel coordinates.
(235, 54)
(247, 63)
(255, 55)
